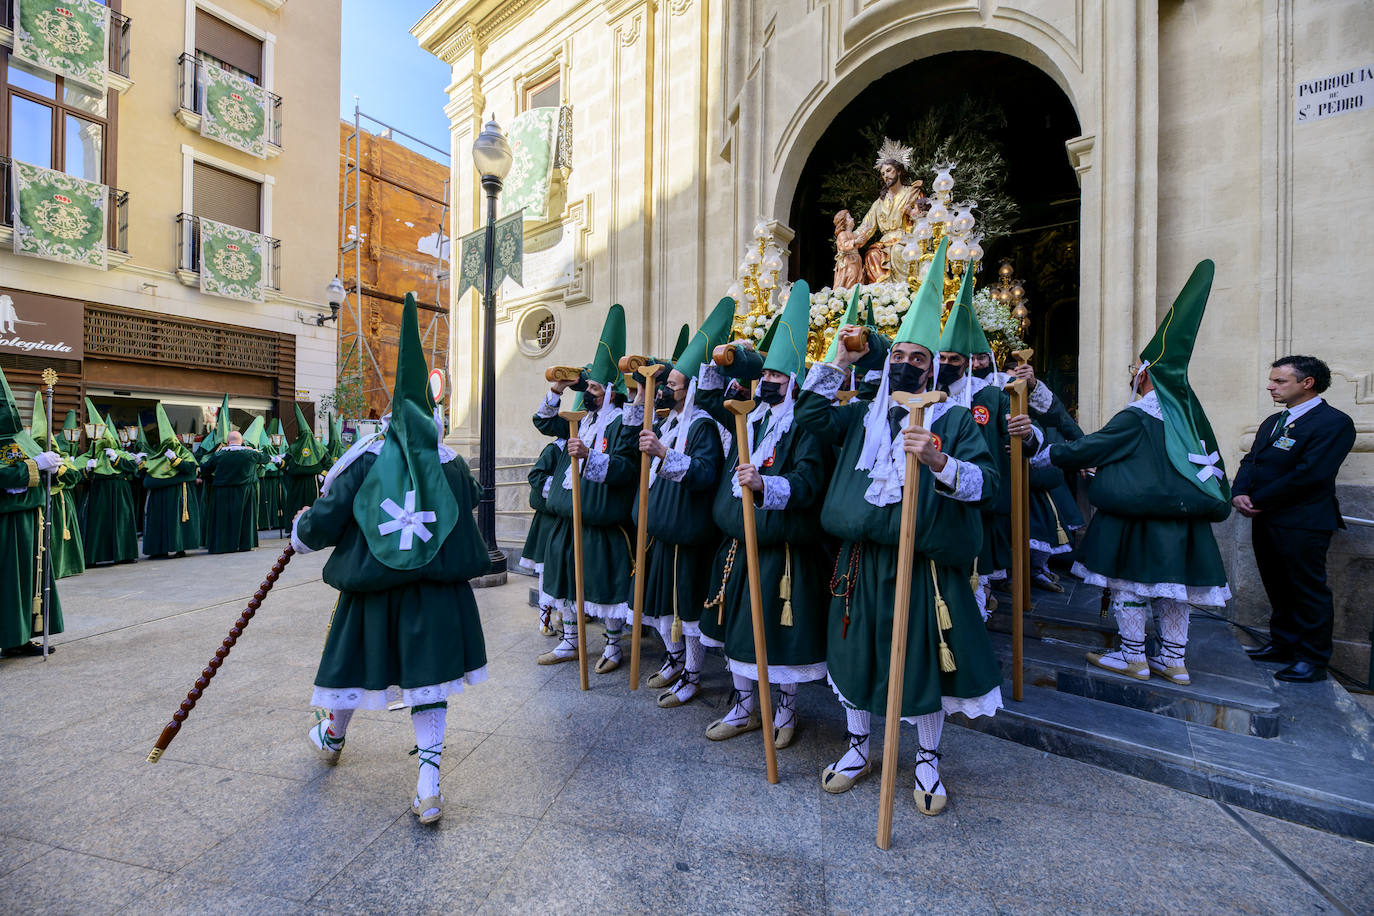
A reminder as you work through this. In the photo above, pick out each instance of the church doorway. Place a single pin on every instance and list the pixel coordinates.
(1006, 122)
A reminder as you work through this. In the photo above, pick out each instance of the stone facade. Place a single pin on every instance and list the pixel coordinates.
(693, 119)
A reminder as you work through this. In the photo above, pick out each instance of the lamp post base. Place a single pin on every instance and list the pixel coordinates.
(490, 580)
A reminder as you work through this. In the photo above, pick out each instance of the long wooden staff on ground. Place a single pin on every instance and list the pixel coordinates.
(202, 682)
(741, 410)
(916, 405)
(1020, 541)
(574, 417)
(49, 381)
(647, 371)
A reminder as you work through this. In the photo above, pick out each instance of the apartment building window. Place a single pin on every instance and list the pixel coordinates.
(547, 93)
(53, 122)
(226, 198)
(222, 45)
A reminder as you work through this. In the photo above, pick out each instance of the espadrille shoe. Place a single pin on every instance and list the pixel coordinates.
(836, 779)
(1117, 663)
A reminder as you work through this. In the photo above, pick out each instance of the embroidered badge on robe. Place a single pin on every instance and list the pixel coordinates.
(980, 414)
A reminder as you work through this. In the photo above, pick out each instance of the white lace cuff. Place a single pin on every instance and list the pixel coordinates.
(776, 492)
(632, 415)
(960, 480)
(710, 378)
(550, 406)
(1041, 459)
(296, 543)
(824, 379)
(548, 485)
(1036, 440)
(675, 465)
(596, 466)
(1041, 398)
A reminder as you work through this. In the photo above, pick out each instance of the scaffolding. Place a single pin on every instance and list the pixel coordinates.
(353, 343)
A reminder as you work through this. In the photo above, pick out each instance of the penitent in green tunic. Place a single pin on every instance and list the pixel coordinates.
(172, 523)
(302, 488)
(271, 498)
(414, 629)
(231, 510)
(109, 532)
(537, 538)
(681, 535)
(20, 534)
(948, 539)
(68, 552)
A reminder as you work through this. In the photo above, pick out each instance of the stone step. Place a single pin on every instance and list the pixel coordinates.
(1238, 698)
(1318, 783)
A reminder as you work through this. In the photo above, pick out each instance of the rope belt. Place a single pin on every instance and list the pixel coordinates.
(718, 602)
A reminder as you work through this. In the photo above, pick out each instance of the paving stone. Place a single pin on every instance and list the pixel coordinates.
(738, 810)
(15, 852)
(513, 775)
(60, 881)
(183, 896)
(1344, 868)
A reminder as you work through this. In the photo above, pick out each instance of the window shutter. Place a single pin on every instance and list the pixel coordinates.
(234, 46)
(227, 198)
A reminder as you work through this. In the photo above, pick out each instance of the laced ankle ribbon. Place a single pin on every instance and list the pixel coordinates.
(927, 756)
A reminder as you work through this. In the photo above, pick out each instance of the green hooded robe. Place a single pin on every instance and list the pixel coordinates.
(172, 520)
(109, 530)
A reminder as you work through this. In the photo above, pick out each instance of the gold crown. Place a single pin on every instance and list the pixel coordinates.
(892, 151)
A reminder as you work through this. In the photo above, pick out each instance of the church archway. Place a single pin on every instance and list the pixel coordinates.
(992, 105)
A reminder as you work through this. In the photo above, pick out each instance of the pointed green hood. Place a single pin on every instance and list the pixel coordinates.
(605, 365)
(766, 340)
(69, 445)
(683, 336)
(714, 331)
(157, 465)
(104, 467)
(787, 353)
(11, 427)
(141, 443)
(38, 424)
(306, 452)
(851, 316)
(253, 434)
(921, 324)
(1188, 437)
(963, 334)
(335, 447)
(405, 506)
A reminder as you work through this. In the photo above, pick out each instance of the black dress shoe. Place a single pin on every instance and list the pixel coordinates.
(1301, 672)
(1270, 652)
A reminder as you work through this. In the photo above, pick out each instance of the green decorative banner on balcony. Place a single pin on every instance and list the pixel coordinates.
(58, 216)
(233, 110)
(233, 261)
(532, 138)
(69, 38)
(510, 248)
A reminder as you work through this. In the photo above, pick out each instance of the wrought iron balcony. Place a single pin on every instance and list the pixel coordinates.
(120, 35)
(191, 101)
(116, 211)
(188, 250)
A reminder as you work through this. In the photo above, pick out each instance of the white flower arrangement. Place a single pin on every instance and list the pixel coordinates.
(890, 302)
(995, 317)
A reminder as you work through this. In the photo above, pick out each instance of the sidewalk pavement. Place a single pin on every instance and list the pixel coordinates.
(558, 800)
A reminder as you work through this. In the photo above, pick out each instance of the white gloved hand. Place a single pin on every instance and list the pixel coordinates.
(47, 461)
(90, 465)
(169, 455)
(278, 459)
(112, 454)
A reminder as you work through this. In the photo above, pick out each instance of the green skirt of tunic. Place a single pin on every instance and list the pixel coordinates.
(417, 635)
(68, 552)
(110, 536)
(676, 578)
(19, 579)
(163, 530)
(1173, 550)
(537, 541)
(301, 490)
(270, 501)
(858, 655)
(231, 518)
(607, 556)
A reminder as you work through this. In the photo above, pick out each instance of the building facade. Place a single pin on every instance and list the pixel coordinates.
(1204, 130)
(137, 317)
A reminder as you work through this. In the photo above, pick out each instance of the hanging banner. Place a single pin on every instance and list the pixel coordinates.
(233, 261)
(67, 38)
(532, 136)
(233, 110)
(58, 216)
(472, 257)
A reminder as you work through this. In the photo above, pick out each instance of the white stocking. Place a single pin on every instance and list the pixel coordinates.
(429, 746)
(690, 682)
(980, 597)
(567, 646)
(740, 712)
(1173, 629)
(1130, 613)
(612, 650)
(338, 722)
(858, 722)
(928, 730)
(786, 713)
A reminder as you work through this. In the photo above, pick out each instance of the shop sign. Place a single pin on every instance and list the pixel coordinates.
(1339, 93)
(34, 325)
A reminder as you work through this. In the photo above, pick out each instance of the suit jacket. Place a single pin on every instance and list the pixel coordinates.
(1296, 487)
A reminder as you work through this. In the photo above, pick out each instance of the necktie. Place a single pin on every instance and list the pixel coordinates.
(1279, 425)
(762, 428)
(896, 416)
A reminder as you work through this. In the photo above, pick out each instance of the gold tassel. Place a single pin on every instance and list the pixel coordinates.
(941, 608)
(675, 634)
(785, 587)
(1106, 604)
(185, 515)
(946, 657)
(973, 578)
(1060, 533)
(38, 572)
(66, 532)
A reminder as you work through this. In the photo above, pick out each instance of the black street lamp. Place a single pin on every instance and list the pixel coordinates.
(492, 156)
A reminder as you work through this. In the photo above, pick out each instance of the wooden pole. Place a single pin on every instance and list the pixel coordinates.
(574, 417)
(646, 371)
(741, 410)
(916, 405)
(49, 381)
(1020, 541)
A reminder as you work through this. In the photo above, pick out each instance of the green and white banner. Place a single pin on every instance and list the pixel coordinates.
(69, 38)
(509, 260)
(533, 135)
(233, 110)
(233, 261)
(58, 216)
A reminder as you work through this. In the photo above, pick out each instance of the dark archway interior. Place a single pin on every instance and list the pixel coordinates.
(1043, 242)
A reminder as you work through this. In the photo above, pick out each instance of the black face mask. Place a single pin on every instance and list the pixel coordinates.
(906, 377)
(948, 375)
(589, 403)
(770, 393)
(983, 372)
(666, 399)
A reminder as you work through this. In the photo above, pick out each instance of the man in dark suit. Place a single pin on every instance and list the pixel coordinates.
(1287, 486)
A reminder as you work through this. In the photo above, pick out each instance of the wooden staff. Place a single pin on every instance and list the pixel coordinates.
(1020, 540)
(916, 405)
(202, 682)
(646, 371)
(49, 381)
(741, 410)
(574, 417)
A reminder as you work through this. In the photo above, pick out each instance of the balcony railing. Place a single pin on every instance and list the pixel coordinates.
(188, 250)
(116, 211)
(120, 33)
(189, 94)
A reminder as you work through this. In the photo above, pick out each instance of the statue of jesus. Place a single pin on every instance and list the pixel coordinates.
(890, 216)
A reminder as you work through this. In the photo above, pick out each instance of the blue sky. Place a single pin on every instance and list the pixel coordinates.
(395, 81)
